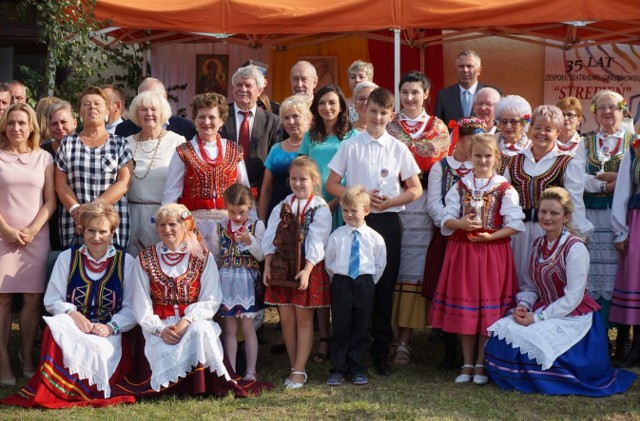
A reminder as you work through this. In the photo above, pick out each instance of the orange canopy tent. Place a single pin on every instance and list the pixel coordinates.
(562, 23)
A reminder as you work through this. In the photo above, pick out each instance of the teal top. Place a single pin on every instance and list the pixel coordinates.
(322, 153)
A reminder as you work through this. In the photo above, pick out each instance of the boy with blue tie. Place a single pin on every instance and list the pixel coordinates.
(355, 257)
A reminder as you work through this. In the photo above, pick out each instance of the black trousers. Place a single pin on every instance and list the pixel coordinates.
(351, 308)
(388, 225)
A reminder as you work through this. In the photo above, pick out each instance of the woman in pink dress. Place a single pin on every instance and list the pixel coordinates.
(27, 201)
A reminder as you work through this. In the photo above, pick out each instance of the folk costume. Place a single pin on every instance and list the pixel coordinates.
(239, 269)
(427, 137)
(171, 286)
(530, 178)
(76, 368)
(626, 226)
(478, 280)
(314, 218)
(603, 153)
(565, 352)
(199, 173)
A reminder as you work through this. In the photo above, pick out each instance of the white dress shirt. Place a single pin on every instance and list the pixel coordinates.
(240, 119)
(377, 164)
(373, 252)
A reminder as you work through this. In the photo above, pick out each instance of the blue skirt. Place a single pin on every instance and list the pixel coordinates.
(582, 370)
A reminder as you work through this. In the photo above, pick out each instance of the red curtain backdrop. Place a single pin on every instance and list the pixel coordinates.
(380, 53)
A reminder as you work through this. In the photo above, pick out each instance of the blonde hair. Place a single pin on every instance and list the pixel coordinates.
(363, 66)
(300, 104)
(43, 117)
(192, 238)
(149, 99)
(488, 141)
(34, 137)
(356, 195)
(98, 210)
(548, 112)
(310, 167)
(561, 196)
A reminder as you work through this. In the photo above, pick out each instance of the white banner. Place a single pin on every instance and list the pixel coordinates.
(584, 71)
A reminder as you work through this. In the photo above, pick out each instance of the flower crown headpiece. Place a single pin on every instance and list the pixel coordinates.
(464, 122)
(526, 118)
(622, 106)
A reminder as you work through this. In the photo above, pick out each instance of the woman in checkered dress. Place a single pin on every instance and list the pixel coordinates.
(90, 165)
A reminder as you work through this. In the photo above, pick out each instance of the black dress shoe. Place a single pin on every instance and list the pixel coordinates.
(383, 368)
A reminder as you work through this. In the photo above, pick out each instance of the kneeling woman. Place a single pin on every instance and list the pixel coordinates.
(555, 342)
(89, 295)
(176, 295)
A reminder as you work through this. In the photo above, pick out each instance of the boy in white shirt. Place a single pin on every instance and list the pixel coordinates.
(355, 257)
(379, 162)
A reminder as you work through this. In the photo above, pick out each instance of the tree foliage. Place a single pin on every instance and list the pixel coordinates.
(73, 60)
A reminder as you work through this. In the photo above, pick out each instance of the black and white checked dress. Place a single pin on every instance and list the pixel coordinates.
(91, 171)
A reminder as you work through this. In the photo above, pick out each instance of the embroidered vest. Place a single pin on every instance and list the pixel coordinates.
(529, 187)
(170, 294)
(550, 276)
(449, 178)
(491, 218)
(598, 200)
(204, 183)
(97, 300)
(231, 255)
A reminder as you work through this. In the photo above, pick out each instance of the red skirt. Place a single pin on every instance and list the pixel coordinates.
(433, 266)
(200, 381)
(52, 386)
(317, 294)
(477, 285)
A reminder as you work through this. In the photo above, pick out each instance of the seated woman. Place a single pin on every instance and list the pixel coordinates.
(89, 295)
(555, 342)
(176, 295)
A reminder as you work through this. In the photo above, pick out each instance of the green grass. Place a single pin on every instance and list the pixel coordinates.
(415, 392)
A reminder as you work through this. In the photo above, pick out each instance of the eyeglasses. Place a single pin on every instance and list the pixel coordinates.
(361, 98)
(485, 104)
(512, 121)
(570, 116)
(605, 108)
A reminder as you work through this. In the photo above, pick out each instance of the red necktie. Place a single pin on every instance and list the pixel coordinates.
(244, 137)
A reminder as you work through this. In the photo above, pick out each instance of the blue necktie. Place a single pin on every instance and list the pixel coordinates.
(466, 103)
(354, 257)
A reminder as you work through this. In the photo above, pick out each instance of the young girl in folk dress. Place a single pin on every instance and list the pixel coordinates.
(478, 278)
(296, 306)
(237, 247)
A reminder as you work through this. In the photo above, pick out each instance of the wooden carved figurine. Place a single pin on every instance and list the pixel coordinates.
(285, 263)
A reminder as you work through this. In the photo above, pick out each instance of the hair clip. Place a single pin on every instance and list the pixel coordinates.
(527, 118)
(152, 219)
(186, 215)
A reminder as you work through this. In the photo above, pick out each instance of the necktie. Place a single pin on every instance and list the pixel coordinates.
(354, 257)
(244, 136)
(466, 103)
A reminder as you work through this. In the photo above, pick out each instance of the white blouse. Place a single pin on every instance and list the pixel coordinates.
(435, 207)
(510, 208)
(572, 181)
(319, 229)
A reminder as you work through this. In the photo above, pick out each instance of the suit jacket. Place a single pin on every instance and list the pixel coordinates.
(177, 124)
(449, 104)
(266, 132)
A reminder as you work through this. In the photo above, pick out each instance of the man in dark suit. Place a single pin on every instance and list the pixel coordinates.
(456, 101)
(255, 129)
(176, 124)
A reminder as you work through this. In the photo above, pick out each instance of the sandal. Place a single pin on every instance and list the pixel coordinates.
(403, 354)
(250, 376)
(321, 357)
(297, 385)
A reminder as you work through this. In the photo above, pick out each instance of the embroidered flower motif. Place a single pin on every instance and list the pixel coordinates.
(186, 215)
(527, 118)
